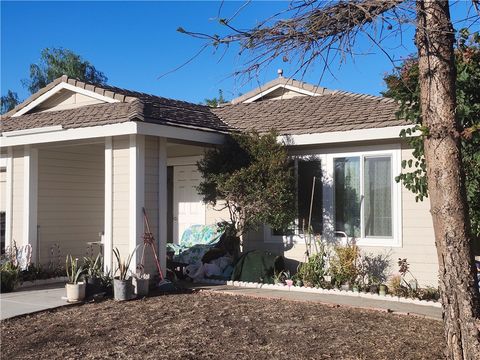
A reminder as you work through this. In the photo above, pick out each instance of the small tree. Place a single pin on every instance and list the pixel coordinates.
(403, 85)
(252, 175)
(57, 62)
(9, 101)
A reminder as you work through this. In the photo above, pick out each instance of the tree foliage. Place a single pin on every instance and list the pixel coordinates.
(216, 101)
(56, 62)
(252, 176)
(9, 101)
(403, 86)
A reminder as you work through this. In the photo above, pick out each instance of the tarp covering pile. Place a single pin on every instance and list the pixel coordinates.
(258, 266)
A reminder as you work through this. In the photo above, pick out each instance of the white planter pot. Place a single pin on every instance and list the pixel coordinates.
(75, 292)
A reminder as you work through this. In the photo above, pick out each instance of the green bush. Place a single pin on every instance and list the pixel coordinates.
(9, 276)
(312, 272)
(344, 265)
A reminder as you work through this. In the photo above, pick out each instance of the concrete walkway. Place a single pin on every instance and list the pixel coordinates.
(30, 300)
(358, 302)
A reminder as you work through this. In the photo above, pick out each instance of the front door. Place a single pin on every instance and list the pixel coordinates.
(188, 207)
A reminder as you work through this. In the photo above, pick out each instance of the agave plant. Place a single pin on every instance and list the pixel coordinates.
(93, 266)
(74, 271)
(122, 265)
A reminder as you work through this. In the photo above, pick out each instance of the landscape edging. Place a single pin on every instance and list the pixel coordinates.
(388, 297)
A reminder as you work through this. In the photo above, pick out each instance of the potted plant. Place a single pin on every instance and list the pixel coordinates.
(122, 284)
(141, 283)
(75, 288)
(93, 271)
(382, 289)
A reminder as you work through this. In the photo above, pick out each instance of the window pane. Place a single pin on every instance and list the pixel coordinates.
(307, 169)
(347, 195)
(378, 196)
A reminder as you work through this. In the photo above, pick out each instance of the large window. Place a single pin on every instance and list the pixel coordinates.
(309, 200)
(363, 196)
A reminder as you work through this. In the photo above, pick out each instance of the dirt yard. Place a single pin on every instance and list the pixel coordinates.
(209, 325)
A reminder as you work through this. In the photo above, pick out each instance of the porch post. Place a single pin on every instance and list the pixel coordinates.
(137, 195)
(162, 203)
(9, 198)
(30, 190)
(108, 212)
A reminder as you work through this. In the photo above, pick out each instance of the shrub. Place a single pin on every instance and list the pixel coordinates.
(344, 265)
(312, 272)
(9, 276)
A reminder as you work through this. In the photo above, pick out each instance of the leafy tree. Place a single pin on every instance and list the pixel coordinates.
(314, 31)
(216, 101)
(56, 62)
(403, 85)
(9, 101)
(252, 175)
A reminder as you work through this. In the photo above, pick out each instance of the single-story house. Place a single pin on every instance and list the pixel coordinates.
(79, 162)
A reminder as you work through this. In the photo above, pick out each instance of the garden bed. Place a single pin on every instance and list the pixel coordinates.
(208, 325)
(282, 287)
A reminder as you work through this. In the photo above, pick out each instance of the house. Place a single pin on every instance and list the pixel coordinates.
(80, 161)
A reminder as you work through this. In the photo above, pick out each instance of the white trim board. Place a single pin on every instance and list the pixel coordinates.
(125, 128)
(336, 137)
(108, 222)
(56, 89)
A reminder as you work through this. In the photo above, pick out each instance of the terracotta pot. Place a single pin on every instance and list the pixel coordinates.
(75, 292)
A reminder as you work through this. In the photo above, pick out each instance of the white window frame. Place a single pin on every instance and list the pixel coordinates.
(329, 223)
(327, 156)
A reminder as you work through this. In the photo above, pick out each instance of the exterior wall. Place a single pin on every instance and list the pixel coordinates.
(70, 200)
(17, 196)
(281, 94)
(66, 99)
(121, 195)
(418, 244)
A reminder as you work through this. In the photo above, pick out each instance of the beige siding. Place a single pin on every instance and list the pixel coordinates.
(66, 99)
(215, 214)
(281, 94)
(70, 200)
(121, 197)
(17, 196)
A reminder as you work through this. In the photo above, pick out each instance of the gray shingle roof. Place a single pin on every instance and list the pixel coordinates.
(336, 111)
(331, 111)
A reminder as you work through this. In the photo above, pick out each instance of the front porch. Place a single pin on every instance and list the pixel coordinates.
(87, 196)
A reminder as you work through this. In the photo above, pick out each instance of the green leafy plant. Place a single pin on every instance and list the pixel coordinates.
(313, 271)
(252, 177)
(122, 265)
(93, 266)
(9, 276)
(73, 270)
(344, 265)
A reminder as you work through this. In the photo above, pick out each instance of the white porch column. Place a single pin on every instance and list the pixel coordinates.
(30, 190)
(9, 198)
(137, 196)
(162, 203)
(108, 212)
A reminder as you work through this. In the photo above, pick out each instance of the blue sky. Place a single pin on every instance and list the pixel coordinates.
(135, 42)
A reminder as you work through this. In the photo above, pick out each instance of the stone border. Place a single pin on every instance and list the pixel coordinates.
(253, 285)
(41, 282)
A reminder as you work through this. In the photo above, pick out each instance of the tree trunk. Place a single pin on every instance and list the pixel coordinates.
(459, 290)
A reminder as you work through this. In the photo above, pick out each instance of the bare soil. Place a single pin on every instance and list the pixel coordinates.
(207, 325)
